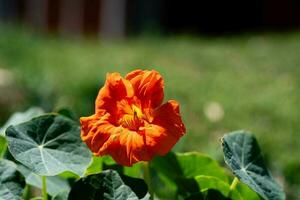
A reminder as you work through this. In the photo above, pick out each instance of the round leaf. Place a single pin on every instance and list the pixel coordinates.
(180, 169)
(107, 185)
(48, 145)
(11, 181)
(20, 117)
(245, 191)
(208, 182)
(95, 166)
(61, 196)
(243, 156)
(55, 184)
(188, 165)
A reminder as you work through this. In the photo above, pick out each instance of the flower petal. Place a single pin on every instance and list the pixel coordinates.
(95, 131)
(165, 130)
(115, 89)
(125, 146)
(129, 149)
(148, 87)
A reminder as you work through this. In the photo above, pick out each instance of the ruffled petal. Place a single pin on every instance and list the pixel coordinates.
(129, 148)
(88, 128)
(115, 89)
(139, 95)
(125, 146)
(148, 87)
(96, 131)
(165, 130)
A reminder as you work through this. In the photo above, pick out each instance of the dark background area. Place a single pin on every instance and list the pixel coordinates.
(162, 16)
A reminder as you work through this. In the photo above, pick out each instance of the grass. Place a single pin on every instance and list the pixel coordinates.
(255, 79)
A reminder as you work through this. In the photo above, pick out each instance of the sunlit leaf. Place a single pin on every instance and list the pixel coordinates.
(55, 184)
(11, 181)
(135, 170)
(188, 165)
(244, 158)
(245, 191)
(107, 185)
(49, 145)
(21, 117)
(95, 166)
(208, 182)
(181, 168)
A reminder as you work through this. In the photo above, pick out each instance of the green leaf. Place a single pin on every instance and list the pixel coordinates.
(49, 145)
(243, 156)
(21, 117)
(95, 166)
(55, 184)
(134, 171)
(137, 185)
(181, 168)
(208, 182)
(61, 196)
(107, 185)
(67, 113)
(188, 165)
(11, 181)
(210, 194)
(245, 191)
(195, 196)
(214, 195)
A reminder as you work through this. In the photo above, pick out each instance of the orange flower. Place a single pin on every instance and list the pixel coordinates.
(130, 122)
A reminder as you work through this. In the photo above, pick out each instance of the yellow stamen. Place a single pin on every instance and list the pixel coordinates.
(133, 119)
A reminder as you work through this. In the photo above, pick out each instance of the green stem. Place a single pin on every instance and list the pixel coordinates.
(233, 186)
(44, 188)
(26, 193)
(147, 178)
(3, 147)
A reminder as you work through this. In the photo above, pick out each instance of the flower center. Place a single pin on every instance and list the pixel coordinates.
(133, 119)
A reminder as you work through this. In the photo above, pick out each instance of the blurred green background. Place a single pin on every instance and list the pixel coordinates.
(225, 83)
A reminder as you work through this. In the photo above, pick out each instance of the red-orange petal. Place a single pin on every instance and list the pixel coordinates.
(115, 89)
(165, 130)
(148, 87)
(129, 148)
(125, 146)
(95, 131)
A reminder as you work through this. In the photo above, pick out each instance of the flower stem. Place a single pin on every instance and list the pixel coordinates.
(147, 178)
(26, 192)
(233, 186)
(44, 188)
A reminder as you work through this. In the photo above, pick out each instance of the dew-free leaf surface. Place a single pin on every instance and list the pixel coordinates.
(11, 181)
(209, 182)
(243, 156)
(20, 117)
(55, 184)
(188, 165)
(107, 185)
(175, 173)
(49, 145)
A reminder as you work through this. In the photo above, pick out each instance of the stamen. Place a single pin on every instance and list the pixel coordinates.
(133, 120)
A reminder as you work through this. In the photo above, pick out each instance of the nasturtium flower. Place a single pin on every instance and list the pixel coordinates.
(130, 122)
